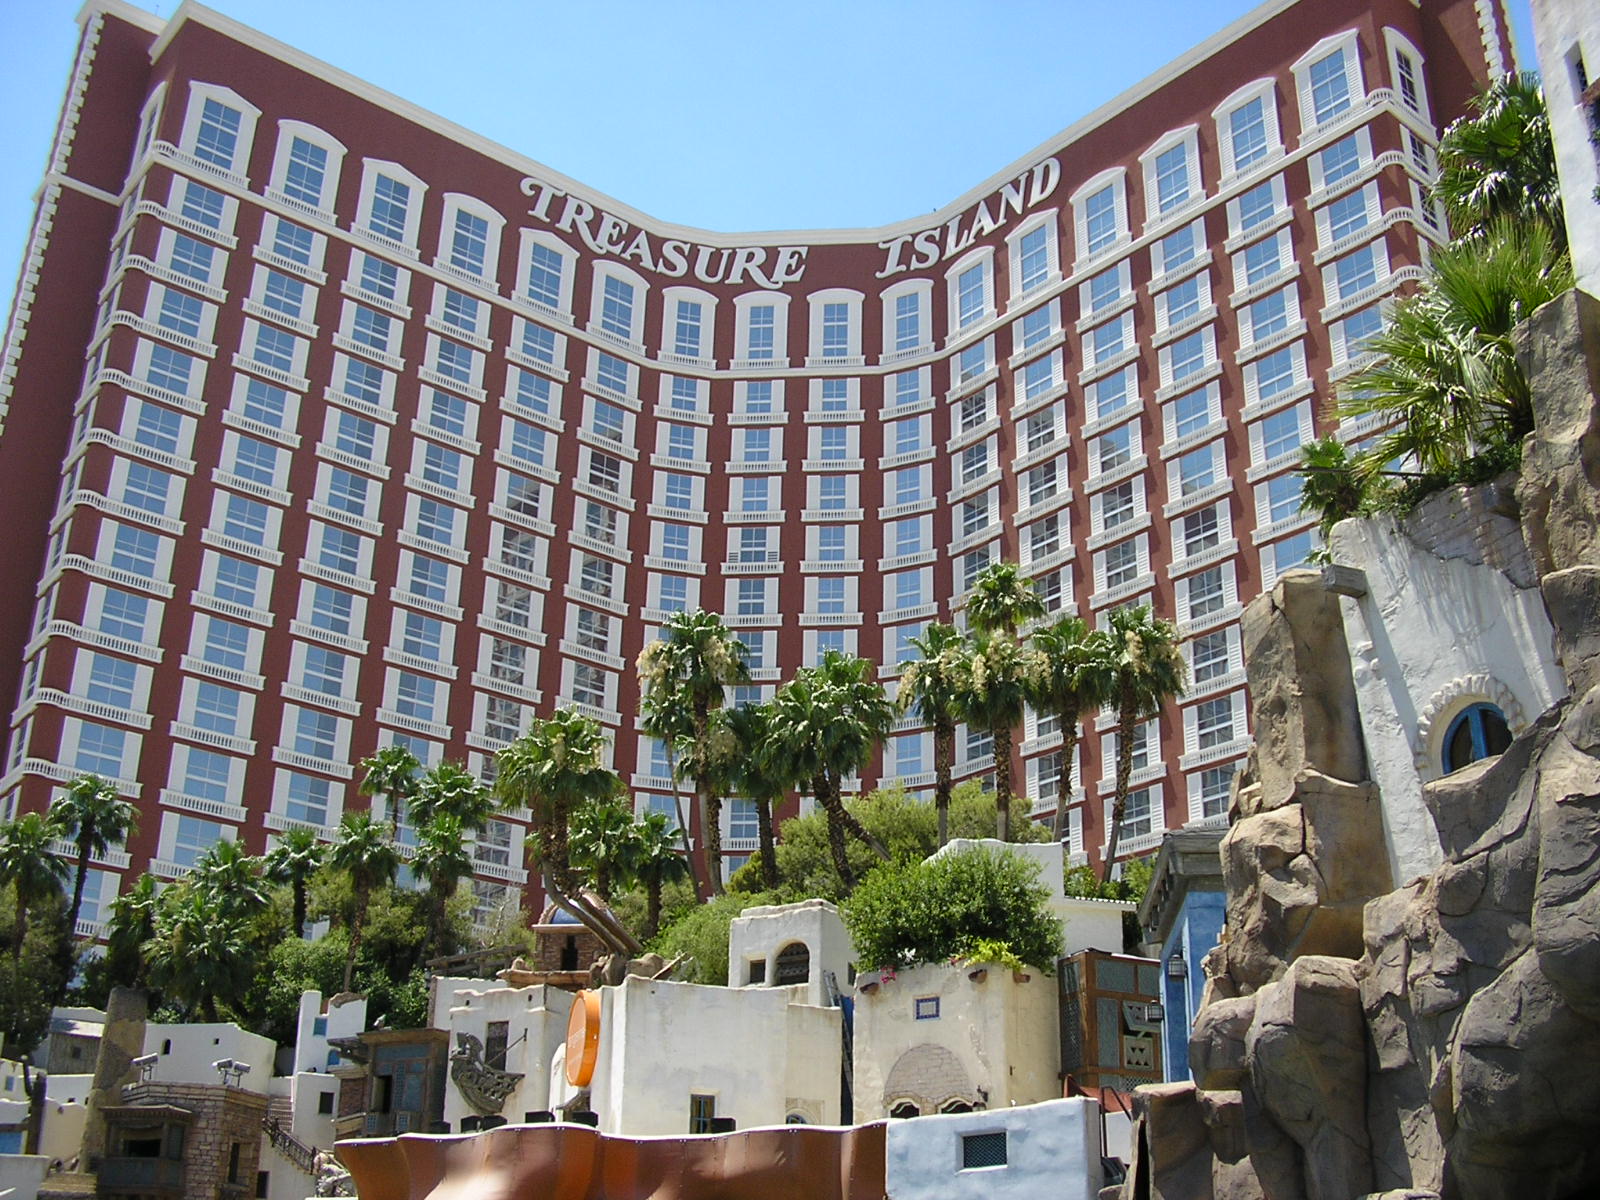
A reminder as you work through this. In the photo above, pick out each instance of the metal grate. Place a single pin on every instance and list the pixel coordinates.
(983, 1150)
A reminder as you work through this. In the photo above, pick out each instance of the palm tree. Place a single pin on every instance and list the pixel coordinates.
(200, 950)
(602, 844)
(1073, 678)
(556, 766)
(657, 863)
(828, 721)
(994, 694)
(1147, 670)
(391, 773)
(95, 817)
(1499, 163)
(363, 850)
(451, 788)
(294, 860)
(932, 685)
(1447, 370)
(442, 858)
(759, 776)
(230, 878)
(132, 924)
(662, 719)
(1330, 483)
(31, 867)
(696, 657)
(1002, 599)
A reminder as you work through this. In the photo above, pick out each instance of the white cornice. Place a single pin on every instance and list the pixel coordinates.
(199, 13)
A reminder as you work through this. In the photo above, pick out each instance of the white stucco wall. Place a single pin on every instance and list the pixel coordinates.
(344, 1020)
(64, 1115)
(536, 1020)
(21, 1175)
(760, 933)
(995, 1041)
(193, 1048)
(760, 1055)
(1052, 1150)
(1567, 32)
(1431, 636)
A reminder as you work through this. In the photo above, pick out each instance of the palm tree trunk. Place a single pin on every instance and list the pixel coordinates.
(711, 830)
(677, 804)
(652, 908)
(834, 811)
(944, 757)
(80, 877)
(356, 918)
(769, 854)
(1126, 715)
(853, 826)
(1002, 782)
(615, 938)
(208, 1008)
(436, 916)
(1069, 746)
(22, 927)
(299, 887)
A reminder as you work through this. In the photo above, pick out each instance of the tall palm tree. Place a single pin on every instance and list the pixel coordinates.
(1447, 370)
(693, 661)
(31, 867)
(391, 773)
(1073, 677)
(994, 695)
(1332, 485)
(364, 851)
(828, 721)
(661, 718)
(556, 766)
(230, 878)
(1147, 671)
(450, 788)
(657, 863)
(1002, 599)
(603, 845)
(758, 774)
(932, 685)
(1498, 162)
(200, 950)
(442, 858)
(94, 817)
(294, 860)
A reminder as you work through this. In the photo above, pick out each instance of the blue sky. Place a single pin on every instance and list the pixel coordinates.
(714, 113)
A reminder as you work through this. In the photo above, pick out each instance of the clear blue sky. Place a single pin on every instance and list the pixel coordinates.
(777, 114)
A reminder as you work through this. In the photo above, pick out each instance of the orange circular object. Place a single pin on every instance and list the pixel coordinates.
(583, 1038)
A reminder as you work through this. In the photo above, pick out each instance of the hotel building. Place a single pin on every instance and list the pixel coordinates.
(329, 425)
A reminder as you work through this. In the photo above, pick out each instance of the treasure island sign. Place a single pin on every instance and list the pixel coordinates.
(774, 266)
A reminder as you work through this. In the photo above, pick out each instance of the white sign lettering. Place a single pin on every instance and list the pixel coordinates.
(914, 251)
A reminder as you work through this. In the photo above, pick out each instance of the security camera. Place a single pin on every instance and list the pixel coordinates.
(145, 1061)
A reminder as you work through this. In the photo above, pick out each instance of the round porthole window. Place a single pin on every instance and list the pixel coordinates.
(1478, 731)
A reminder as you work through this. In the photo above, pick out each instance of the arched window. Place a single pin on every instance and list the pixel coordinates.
(1479, 731)
(795, 1118)
(957, 1106)
(794, 965)
(904, 1109)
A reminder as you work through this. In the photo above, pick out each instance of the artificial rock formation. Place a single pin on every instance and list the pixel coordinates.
(1440, 1038)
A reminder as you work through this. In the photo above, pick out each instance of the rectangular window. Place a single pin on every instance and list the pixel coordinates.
(1341, 160)
(1216, 784)
(1100, 219)
(1283, 498)
(545, 268)
(1033, 258)
(135, 550)
(1122, 564)
(1261, 260)
(1280, 434)
(307, 799)
(124, 615)
(169, 369)
(111, 681)
(1037, 326)
(307, 172)
(1330, 87)
(226, 644)
(1346, 215)
(203, 205)
(1172, 177)
(147, 489)
(907, 321)
(1210, 656)
(217, 139)
(1187, 355)
(616, 307)
(1247, 133)
(971, 300)
(983, 1150)
(390, 201)
(469, 243)
(332, 610)
(1207, 593)
(835, 330)
(192, 838)
(1257, 205)
(1201, 531)
(687, 329)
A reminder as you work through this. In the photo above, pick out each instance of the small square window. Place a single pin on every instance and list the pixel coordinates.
(983, 1150)
(926, 1008)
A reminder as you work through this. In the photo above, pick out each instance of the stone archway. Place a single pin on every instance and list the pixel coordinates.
(930, 1077)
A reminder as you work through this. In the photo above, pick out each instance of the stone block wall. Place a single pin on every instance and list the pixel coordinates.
(224, 1117)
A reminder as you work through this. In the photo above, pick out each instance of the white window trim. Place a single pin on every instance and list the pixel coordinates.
(923, 290)
(1046, 218)
(289, 130)
(779, 302)
(815, 303)
(249, 114)
(459, 202)
(1187, 137)
(982, 256)
(1348, 43)
(669, 330)
(1265, 90)
(1393, 42)
(569, 267)
(371, 168)
(602, 270)
(1117, 177)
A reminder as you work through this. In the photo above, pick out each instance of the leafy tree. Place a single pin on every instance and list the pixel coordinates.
(976, 904)
(702, 936)
(556, 767)
(1002, 599)
(932, 685)
(1000, 678)
(442, 858)
(272, 1003)
(1072, 677)
(363, 851)
(827, 722)
(758, 773)
(1131, 884)
(91, 814)
(201, 949)
(31, 982)
(657, 865)
(687, 668)
(1498, 163)
(29, 866)
(293, 861)
(392, 774)
(1148, 670)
